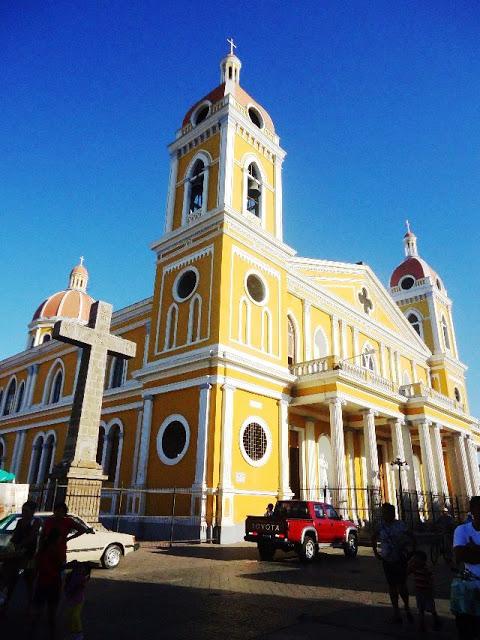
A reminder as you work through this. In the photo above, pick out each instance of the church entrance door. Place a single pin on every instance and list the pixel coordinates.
(294, 458)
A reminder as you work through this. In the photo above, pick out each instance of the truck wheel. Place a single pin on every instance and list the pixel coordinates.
(308, 549)
(266, 552)
(351, 546)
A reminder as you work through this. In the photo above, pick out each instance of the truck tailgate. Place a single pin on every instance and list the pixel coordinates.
(265, 528)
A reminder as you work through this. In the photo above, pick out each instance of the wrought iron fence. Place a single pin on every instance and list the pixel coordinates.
(183, 514)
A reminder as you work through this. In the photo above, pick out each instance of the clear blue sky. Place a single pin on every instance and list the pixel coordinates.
(376, 103)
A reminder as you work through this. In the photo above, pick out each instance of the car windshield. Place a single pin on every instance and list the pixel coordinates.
(8, 523)
(291, 509)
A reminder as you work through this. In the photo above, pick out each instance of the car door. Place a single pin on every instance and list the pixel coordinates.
(337, 526)
(322, 523)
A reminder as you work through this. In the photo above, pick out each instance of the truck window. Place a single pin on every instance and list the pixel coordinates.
(291, 509)
(331, 513)
(318, 510)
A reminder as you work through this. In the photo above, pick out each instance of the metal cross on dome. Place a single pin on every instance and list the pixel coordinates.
(365, 300)
(232, 45)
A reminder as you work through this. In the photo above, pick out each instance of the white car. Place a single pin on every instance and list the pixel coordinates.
(102, 546)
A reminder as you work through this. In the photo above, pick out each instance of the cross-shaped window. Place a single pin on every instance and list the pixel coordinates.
(365, 300)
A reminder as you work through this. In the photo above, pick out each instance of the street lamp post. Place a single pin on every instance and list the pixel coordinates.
(399, 463)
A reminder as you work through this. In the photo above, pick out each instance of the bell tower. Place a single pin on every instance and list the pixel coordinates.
(421, 295)
(226, 157)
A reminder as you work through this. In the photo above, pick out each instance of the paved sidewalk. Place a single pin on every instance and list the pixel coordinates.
(208, 591)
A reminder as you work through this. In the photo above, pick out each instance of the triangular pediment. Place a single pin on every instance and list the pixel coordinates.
(357, 287)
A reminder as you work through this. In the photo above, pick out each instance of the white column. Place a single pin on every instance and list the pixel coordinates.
(172, 189)
(33, 372)
(278, 198)
(225, 486)
(338, 452)
(311, 461)
(307, 329)
(147, 342)
(371, 453)
(428, 464)
(408, 450)
(398, 368)
(393, 373)
(144, 441)
(462, 464)
(399, 452)
(335, 351)
(471, 449)
(284, 491)
(355, 344)
(441, 474)
(200, 482)
(383, 361)
(351, 473)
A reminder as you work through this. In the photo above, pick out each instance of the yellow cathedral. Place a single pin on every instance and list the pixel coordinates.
(258, 374)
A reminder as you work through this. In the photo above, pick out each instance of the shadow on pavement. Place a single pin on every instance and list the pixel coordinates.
(124, 609)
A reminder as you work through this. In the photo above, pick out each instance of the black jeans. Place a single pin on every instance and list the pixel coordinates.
(468, 627)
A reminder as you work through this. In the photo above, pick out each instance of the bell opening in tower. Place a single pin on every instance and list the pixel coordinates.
(254, 191)
(196, 187)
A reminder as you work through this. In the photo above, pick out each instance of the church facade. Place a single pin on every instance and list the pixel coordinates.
(258, 374)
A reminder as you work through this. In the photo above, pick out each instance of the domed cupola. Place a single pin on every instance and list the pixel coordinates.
(413, 271)
(73, 302)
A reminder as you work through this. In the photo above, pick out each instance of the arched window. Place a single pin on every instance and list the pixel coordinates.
(292, 342)
(1, 397)
(244, 321)
(254, 190)
(113, 451)
(35, 460)
(3, 453)
(446, 338)
(171, 328)
(118, 372)
(416, 322)
(194, 319)
(46, 338)
(368, 359)
(10, 398)
(57, 387)
(100, 444)
(266, 331)
(46, 459)
(457, 395)
(320, 344)
(20, 394)
(196, 180)
(406, 378)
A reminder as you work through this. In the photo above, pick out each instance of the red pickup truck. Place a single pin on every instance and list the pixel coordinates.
(302, 526)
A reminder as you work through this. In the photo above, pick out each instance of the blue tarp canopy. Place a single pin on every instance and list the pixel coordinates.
(5, 476)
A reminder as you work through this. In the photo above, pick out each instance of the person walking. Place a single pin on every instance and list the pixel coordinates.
(465, 603)
(24, 544)
(269, 512)
(424, 592)
(394, 539)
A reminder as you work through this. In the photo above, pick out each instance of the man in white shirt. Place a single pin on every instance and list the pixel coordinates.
(466, 547)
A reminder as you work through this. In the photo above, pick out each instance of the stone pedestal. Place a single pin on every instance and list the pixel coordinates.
(81, 490)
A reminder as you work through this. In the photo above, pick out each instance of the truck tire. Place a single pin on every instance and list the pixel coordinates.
(308, 549)
(266, 552)
(351, 546)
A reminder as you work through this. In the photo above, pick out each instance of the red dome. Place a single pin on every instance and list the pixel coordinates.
(415, 267)
(240, 95)
(72, 303)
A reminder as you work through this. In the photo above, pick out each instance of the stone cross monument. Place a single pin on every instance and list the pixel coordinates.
(78, 472)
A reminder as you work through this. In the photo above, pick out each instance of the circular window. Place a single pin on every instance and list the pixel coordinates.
(173, 439)
(255, 442)
(407, 282)
(255, 117)
(256, 288)
(185, 284)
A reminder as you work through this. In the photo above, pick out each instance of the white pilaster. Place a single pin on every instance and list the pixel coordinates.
(18, 452)
(200, 482)
(147, 342)
(335, 337)
(428, 464)
(440, 471)
(462, 462)
(172, 181)
(343, 338)
(284, 491)
(311, 461)
(307, 330)
(383, 361)
(278, 198)
(371, 453)
(225, 487)
(338, 452)
(33, 372)
(471, 449)
(355, 343)
(144, 441)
